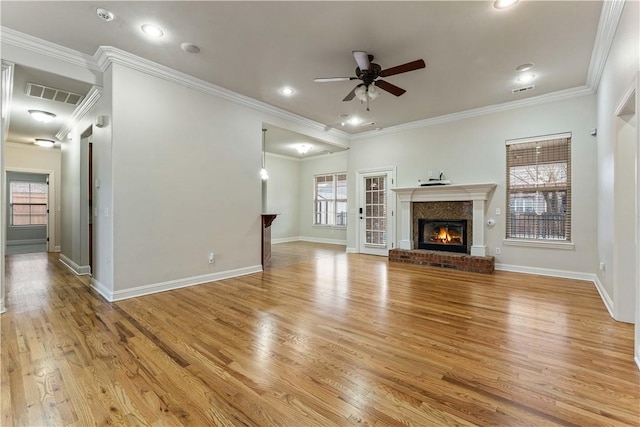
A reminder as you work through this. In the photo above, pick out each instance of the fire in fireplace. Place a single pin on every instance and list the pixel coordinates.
(443, 235)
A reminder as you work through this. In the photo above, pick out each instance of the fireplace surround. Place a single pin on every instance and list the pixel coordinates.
(478, 194)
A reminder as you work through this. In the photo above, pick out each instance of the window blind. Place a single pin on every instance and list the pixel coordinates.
(539, 188)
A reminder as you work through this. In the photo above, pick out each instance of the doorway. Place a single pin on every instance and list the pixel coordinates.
(376, 211)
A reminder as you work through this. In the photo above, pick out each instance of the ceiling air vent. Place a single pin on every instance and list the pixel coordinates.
(43, 92)
(523, 89)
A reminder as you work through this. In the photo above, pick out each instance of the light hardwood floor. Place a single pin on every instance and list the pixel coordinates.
(329, 340)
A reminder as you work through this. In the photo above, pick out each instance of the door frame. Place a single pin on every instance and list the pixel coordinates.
(51, 200)
(391, 205)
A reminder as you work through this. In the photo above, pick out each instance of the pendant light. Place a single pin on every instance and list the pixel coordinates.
(263, 172)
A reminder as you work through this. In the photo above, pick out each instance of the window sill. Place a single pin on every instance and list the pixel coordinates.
(550, 244)
(335, 227)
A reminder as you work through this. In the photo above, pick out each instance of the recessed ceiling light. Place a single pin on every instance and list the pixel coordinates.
(105, 15)
(526, 78)
(287, 91)
(42, 116)
(525, 67)
(190, 48)
(503, 4)
(48, 143)
(354, 121)
(152, 30)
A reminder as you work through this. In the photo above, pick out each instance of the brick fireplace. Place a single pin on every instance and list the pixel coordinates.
(446, 207)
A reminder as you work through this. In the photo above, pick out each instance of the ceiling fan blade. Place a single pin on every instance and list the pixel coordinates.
(334, 79)
(392, 89)
(409, 66)
(362, 58)
(351, 94)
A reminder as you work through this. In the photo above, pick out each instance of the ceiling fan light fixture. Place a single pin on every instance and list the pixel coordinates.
(503, 4)
(47, 143)
(42, 116)
(373, 92)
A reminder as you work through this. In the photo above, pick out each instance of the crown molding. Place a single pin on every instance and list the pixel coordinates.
(609, 19)
(482, 111)
(47, 48)
(107, 55)
(81, 110)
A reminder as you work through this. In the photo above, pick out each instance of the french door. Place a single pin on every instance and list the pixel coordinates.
(376, 211)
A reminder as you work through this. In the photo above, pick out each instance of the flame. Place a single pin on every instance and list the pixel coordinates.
(444, 236)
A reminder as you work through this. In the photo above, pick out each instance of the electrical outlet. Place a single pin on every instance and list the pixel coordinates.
(498, 251)
(212, 258)
(498, 211)
(602, 266)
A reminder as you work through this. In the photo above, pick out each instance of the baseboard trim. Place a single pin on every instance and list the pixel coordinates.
(2, 307)
(545, 272)
(102, 290)
(608, 303)
(285, 240)
(321, 240)
(155, 288)
(57, 249)
(352, 250)
(26, 242)
(637, 359)
(308, 239)
(78, 270)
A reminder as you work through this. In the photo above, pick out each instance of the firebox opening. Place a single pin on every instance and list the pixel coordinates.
(443, 235)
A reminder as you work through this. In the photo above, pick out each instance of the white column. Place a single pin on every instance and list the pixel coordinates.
(478, 248)
(406, 237)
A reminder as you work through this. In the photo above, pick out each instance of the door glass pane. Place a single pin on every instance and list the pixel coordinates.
(375, 210)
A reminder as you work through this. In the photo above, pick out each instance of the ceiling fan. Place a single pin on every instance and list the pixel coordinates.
(369, 73)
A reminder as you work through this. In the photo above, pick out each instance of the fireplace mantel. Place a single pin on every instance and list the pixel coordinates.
(478, 193)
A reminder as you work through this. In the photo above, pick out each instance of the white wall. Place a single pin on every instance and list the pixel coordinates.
(185, 181)
(23, 157)
(330, 163)
(283, 195)
(473, 151)
(614, 166)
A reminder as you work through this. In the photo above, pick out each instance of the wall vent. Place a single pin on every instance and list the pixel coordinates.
(52, 94)
(523, 89)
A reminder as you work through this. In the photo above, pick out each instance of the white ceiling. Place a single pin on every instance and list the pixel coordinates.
(255, 48)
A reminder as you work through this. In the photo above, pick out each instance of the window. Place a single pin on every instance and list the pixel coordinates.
(539, 188)
(28, 203)
(331, 200)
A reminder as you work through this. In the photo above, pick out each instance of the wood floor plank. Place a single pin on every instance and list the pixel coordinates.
(321, 338)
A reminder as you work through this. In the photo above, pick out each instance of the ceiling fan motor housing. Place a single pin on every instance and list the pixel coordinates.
(368, 76)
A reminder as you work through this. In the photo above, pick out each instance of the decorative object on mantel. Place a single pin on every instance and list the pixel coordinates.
(434, 181)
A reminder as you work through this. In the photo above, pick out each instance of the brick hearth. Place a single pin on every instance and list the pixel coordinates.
(463, 262)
